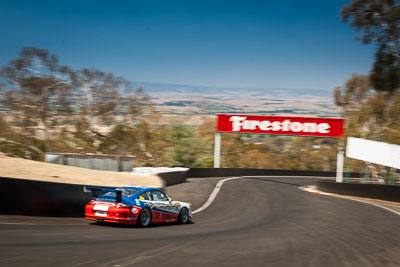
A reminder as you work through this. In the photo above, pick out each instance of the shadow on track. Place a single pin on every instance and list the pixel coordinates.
(134, 226)
(273, 181)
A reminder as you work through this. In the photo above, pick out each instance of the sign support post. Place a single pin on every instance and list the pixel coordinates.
(217, 150)
(340, 164)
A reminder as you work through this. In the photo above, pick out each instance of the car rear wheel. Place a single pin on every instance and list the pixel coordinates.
(144, 218)
(183, 216)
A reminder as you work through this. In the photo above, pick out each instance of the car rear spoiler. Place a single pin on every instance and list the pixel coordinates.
(98, 191)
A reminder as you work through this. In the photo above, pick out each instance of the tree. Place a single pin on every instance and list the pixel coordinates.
(43, 95)
(97, 96)
(15, 144)
(232, 150)
(368, 113)
(134, 105)
(38, 90)
(122, 140)
(355, 99)
(385, 72)
(182, 151)
(378, 22)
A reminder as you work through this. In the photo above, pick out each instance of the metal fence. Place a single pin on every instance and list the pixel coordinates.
(93, 161)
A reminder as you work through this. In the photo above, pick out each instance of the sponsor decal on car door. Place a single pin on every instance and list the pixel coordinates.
(166, 207)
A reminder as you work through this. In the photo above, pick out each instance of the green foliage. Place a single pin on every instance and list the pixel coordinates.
(385, 74)
(13, 143)
(371, 115)
(232, 150)
(378, 23)
(188, 149)
(371, 104)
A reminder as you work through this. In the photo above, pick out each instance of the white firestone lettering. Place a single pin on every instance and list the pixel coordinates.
(254, 124)
(240, 122)
(237, 123)
(323, 128)
(285, 125)
(310, 127)
(264, 126)
(247, 125)
(276, 126)
(296, 126)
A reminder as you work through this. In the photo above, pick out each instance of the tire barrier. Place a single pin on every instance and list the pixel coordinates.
(38, 198)
(377, 191)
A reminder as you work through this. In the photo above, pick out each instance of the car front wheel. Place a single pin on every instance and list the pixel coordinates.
(183, 216)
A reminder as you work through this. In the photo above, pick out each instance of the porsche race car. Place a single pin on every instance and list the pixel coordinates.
(135, 205)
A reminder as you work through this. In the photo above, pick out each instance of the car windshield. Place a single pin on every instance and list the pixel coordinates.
(125, 192)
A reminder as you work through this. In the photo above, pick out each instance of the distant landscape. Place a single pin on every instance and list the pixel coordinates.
(203, 100)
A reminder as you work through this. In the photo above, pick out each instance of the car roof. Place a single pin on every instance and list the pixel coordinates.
(140, 188)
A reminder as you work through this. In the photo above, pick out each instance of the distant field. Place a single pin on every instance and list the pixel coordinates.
(180, 103)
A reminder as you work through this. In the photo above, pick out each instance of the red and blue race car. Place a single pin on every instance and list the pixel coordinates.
(135, 205)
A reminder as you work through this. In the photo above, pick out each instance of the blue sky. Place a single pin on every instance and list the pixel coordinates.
(266, 44)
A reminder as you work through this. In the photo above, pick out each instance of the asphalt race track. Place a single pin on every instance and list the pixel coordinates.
(252, 222)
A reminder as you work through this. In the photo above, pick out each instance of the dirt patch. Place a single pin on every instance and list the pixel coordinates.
(42, 171)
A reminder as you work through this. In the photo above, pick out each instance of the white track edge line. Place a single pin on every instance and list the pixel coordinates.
(349, 198)
(214, 194)
(366, 202)
(217, 188)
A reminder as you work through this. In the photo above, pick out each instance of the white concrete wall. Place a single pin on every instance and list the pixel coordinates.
(149, 171)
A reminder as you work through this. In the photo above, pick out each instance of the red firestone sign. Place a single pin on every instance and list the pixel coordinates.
(321, 127)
